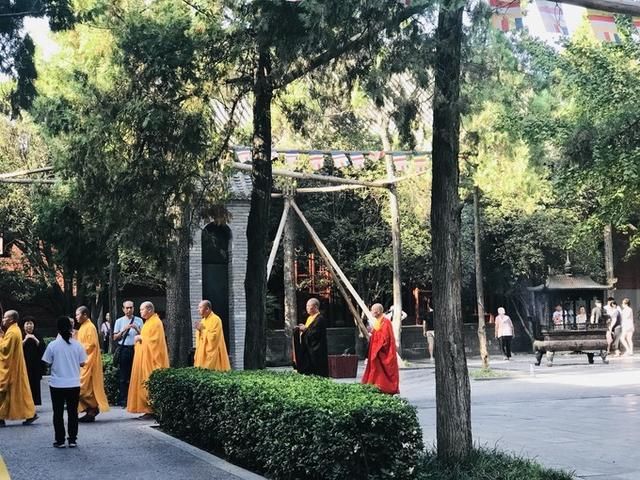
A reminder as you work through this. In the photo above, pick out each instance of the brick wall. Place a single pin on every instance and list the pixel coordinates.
(239, 210)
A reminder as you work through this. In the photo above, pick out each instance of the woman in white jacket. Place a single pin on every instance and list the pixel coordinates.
(504, 332)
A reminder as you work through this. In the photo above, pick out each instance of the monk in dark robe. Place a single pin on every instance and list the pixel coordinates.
(310, 343)
(33, 348)
(382, 360)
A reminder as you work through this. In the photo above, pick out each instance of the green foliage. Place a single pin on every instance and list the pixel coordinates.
(16, 50)
(111, 378)
(288, 425)
(486, 464)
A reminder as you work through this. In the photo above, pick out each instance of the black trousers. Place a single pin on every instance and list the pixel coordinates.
(126, 363)
(505, 343)
(60, 396)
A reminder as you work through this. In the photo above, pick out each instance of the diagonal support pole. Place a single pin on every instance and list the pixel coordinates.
(336, 268)
(276, 241)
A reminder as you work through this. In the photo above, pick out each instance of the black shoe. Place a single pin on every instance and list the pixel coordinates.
(73, 444)
(146, 416)
(59, 444)
(29, 421)
(87, 419)
(2, 423)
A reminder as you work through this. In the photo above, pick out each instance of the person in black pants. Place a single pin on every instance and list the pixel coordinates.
(124, 333)
(65, 356)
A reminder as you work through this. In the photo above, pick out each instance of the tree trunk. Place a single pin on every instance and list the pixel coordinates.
(67, 280)
(396, 247)
(453, 419)
(608, 256)
(178, 321)
(482, 333)
(113, 285)
(290, 299)
(255, 285)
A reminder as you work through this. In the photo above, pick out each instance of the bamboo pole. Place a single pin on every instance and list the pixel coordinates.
(276, 241)
(337, 188)
(28, 181)
(289, 279)
(21, 173)
(482, 333)
(397, 180)
(345, 295)
(330, 260)
(312, 176)
(396, 247)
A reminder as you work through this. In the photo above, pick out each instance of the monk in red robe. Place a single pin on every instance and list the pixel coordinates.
(382, 360)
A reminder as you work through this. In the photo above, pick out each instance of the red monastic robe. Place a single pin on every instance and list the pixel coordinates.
(382, 361)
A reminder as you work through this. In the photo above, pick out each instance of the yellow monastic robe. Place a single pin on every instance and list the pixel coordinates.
(91, 377)
(211, 351)
(149, 355)
(16, 402)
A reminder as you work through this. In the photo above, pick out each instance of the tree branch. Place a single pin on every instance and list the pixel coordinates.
(351, 44)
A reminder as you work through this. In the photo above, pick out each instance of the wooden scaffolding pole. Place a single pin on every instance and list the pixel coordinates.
(312, 176)
(337, 270)
(22, 173)
(276, 241)
(28, 181)
(396, 246)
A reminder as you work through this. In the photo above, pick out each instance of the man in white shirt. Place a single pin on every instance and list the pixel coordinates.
(124, 334)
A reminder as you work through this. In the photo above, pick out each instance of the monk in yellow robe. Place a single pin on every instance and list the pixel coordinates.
(211, 351)
(16, 402)
(150, 353)
(93, 399)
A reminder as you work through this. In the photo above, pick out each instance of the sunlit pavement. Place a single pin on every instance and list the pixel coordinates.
(580, 417)
(116, 446)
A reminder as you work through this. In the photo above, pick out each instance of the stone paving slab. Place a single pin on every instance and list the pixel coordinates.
(116, 446)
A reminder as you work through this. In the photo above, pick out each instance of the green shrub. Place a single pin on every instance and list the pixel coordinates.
(485, 464)
(111, 381)
(290, 426)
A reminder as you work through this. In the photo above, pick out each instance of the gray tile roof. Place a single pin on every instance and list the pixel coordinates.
(240, 186)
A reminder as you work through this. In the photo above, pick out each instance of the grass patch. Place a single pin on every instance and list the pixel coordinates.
(487, 374)
(487, 464)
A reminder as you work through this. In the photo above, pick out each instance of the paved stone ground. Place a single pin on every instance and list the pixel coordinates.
(583, 418)
(580, 417)
(116, 446)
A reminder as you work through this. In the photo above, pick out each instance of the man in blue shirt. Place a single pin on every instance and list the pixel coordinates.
(124, 334)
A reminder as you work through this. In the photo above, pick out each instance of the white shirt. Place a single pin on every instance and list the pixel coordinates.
(627, 318)
(65, 359)
(120, 325)
(504, 326)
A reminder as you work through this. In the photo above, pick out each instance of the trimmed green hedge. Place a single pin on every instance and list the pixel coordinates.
(290, 426)
(111, 380)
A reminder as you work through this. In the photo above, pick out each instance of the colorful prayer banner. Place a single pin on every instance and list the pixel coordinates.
(357, 159)
(508, 15)
(420, 163)
(375, 155)
(291, 158)
(339, 159)
(316, 159)
(400, 161)
(603, 26)
(552, 17)
(244, 155)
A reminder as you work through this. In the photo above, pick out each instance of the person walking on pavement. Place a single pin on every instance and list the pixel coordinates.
(504, 332)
